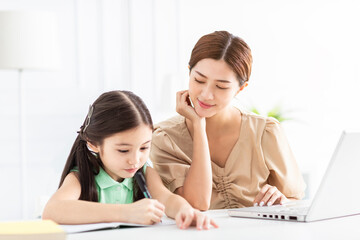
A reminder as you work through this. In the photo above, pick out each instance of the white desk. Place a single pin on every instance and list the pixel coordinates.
(239, 229)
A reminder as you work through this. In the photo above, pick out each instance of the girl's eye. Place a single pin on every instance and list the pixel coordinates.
(199, 81)
(123, 151)
(144, 148)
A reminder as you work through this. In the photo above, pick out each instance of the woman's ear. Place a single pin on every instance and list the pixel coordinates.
(92, 147)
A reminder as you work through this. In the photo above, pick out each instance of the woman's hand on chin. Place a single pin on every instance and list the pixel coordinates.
(184, 108)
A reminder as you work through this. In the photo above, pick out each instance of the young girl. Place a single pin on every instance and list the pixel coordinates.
(218, 156)
(97, 183)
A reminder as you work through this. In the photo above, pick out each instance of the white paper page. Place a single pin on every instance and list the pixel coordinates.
(95, 226)
(166, 221)
(98, 226)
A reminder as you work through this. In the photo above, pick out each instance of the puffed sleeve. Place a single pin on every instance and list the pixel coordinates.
(169, 160)
(284, 171)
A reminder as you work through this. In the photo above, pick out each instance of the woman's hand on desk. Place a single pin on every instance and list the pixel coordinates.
(268, 196)
(188, 216)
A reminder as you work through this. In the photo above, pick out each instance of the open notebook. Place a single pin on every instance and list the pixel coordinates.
(112, 225)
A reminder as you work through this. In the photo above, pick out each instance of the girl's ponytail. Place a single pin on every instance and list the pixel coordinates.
(88, 168)
(82, 161)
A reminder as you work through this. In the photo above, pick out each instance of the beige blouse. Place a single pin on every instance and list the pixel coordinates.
(261, 155)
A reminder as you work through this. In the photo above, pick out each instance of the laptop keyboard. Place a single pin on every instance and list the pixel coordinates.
(297, 210)
(282, 209)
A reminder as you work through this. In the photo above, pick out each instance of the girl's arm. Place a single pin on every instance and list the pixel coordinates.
(65, 208)
(197, 186)
(175, 206)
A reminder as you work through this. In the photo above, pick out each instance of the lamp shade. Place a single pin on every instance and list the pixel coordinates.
(28, 40)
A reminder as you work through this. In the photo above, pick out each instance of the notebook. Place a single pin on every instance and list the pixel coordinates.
(337, 195)
(78, 228)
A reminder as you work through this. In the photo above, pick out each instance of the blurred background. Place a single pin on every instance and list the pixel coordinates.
(306, 63)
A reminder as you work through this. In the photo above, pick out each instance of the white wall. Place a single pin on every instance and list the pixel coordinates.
(305, 58)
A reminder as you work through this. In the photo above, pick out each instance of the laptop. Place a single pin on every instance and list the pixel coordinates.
(337, 196)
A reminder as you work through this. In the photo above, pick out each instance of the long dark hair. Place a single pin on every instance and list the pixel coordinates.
(111, 113)
(223, 45)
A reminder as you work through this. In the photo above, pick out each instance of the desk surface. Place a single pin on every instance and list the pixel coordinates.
(238, 228)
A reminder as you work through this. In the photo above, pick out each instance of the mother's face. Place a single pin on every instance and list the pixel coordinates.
(212, 86)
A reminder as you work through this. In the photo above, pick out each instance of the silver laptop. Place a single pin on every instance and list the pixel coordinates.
(337, 196)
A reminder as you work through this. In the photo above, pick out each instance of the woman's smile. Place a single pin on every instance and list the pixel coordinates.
(205, 105)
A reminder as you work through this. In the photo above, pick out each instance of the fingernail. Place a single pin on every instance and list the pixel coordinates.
(269, 203)
(255, 204)
(261, 204)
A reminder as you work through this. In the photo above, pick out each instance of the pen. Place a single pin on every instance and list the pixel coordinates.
(140, 179)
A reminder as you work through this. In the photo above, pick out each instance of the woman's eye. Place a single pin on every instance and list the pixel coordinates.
(221, 87)
(144, 148)
(199, 81)
(123, 151)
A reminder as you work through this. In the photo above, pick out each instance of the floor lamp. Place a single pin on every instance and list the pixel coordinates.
(28, 41)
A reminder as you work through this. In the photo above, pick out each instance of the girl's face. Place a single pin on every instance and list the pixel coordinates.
(212, 86)
(123, 153)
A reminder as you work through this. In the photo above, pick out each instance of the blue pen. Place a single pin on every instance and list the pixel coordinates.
(140, 179)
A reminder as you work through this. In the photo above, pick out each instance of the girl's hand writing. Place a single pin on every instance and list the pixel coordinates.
(269, 195)
(146, 211)
(188, 216)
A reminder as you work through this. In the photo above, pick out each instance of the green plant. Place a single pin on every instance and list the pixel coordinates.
(276, 112)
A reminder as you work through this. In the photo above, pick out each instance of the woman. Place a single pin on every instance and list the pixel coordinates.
(215, 155)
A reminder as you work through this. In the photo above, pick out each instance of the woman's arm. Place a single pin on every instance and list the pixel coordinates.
(285, 181)
(175, 206)
(65, 208)
(198, 182)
